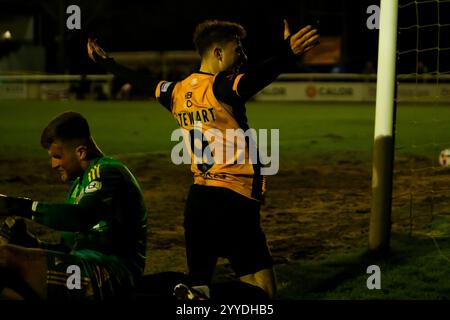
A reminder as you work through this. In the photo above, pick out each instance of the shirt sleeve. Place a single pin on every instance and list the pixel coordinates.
(95, 204)
(144, 83)
(234, 89)
(163, 93)
(161, 90)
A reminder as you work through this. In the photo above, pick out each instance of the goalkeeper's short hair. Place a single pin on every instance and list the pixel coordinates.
(67, 127)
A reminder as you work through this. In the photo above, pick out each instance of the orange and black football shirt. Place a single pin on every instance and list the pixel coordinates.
(215, 102)
(194, 105)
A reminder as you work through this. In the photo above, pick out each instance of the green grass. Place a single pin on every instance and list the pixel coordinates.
(118, 127)
(415, 268)
(306, 130)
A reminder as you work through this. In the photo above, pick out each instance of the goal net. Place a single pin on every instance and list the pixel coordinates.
(421, 189)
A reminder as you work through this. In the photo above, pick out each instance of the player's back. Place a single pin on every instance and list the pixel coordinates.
(210, 123)
(121, 229)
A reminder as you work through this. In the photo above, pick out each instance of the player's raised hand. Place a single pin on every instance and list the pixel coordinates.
(302, 41)
(95, 52)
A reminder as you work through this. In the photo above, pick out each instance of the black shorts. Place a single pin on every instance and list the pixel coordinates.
(222, 223)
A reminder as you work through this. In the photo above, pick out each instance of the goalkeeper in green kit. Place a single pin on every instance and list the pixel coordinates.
(102, 225)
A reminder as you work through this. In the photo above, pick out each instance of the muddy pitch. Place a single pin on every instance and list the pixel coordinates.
(309, 212)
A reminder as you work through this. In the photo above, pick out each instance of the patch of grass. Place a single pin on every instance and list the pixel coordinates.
(414, 268)
(118, 127)
(310, 131)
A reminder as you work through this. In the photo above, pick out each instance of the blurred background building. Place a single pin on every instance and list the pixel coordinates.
(40, 41)
(156, 37)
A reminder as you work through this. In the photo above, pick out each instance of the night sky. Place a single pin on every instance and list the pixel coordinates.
(168, 25)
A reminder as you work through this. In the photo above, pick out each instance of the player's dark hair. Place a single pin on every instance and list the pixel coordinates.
(68, 126)
(210, 32)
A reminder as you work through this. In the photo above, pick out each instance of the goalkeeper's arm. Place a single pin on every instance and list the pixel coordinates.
(144, 83)
(62, 217)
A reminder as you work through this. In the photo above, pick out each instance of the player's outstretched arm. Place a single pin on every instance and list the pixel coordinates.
(246, 85)
(143, 83)
(63, 217)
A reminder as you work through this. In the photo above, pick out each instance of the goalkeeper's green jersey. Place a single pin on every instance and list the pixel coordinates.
(104, 212)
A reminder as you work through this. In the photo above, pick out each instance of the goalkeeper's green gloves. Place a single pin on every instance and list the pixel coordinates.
(14, 206)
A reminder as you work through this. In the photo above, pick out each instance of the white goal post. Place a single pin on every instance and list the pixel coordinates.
(383, 150)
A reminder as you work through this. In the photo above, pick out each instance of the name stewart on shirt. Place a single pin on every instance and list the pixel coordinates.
(189, 118)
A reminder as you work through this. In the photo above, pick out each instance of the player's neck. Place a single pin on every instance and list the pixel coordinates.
(92, 155)
(93, 150)
(208, 67)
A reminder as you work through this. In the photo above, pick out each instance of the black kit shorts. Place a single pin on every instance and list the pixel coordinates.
(222, 223)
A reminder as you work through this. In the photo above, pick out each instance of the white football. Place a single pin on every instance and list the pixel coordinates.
(444, 158)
